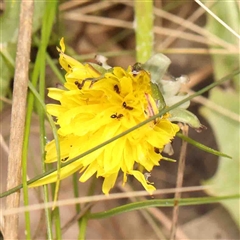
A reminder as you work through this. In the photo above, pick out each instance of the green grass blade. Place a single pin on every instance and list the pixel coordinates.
(39, 72)
(83, 228)
(201, 146)
(76, 195)
(160, 203)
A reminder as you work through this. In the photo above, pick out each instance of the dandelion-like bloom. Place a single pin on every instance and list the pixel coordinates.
(91, 112)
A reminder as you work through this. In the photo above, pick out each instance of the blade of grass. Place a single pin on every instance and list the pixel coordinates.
(39, 72)
(201, 146)
(57, 220)
(76, 195)
(83, 228)
(48, 21)
(160, 203)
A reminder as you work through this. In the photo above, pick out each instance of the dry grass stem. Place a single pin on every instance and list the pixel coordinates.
(96, 198)
(217, 18)
(179, 34)
(97, 6)
(18, 115)
(71, 4)
(6, 100)
(186, 24)
(98, 20)
(127, 24)
(181, 167)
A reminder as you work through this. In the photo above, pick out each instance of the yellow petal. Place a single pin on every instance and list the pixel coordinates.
(55, 93)
(62, 44)
(65, 172)
(92, 168)
(109, 182)
(140, 177)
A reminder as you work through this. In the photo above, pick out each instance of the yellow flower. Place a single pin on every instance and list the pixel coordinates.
(91, 112)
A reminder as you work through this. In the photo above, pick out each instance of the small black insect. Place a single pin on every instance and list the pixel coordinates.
(136, 68)
(78, 84)
(126, 106)
(64, 159)
(118, 116)
(116, 89)
(157, 150)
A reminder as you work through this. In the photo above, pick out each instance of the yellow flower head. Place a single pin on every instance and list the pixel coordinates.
(95, 108)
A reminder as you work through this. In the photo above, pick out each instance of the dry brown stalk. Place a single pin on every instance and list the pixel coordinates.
(181, 167)
(18, 115)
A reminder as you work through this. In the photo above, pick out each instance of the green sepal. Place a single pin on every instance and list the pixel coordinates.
(99, 68)
(157, 96)
(157, 65)
(201, 146)
(184, 116)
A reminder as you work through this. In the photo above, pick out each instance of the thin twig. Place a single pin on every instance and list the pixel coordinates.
(181, 167)
(18, 115)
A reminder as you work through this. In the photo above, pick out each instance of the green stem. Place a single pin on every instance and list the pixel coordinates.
(76, 195)
(83, 228)
(160, 203)
(56, 216)
(48, 22)
(42, 65)
(39, 71)
(144, 29)
(24, 179)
